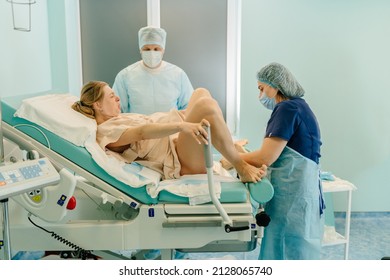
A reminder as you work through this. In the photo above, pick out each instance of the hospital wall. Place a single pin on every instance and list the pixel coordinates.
(43, 59)
(339, 51)
(25, 62)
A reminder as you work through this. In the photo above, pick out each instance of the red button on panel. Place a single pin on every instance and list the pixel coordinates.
(71, 203)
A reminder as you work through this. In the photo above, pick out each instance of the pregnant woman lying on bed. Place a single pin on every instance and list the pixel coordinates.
(168, 142)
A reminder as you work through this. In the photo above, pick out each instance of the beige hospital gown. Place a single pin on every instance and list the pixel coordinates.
(157, 154)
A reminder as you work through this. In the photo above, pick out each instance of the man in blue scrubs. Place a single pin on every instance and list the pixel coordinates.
(151, 84)
(291, 149)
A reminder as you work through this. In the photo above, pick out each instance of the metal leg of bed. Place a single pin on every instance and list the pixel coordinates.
(167, 254)
(6, 235)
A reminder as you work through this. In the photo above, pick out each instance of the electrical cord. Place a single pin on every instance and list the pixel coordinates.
(80, 252)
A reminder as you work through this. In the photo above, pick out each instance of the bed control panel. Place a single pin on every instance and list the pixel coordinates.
(25, 176)
(52, 202)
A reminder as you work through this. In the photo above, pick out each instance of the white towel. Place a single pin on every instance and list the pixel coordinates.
(337, 184)
(131, 174)
(195, 187)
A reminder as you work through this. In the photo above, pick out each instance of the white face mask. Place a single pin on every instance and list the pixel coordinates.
(152, 59)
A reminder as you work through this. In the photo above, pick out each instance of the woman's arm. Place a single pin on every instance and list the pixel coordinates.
(268, 153)
(159, 130)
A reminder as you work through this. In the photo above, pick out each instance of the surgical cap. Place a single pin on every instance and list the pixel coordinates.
(279, 77)
(151, 36)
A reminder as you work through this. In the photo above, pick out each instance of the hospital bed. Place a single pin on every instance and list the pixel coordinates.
(91, 210)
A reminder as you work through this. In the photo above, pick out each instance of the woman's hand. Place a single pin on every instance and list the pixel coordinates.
(197, 131)
(263, 170)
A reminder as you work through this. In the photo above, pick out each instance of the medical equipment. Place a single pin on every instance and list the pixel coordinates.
(110, 215)
(23, 177)
(28, 177)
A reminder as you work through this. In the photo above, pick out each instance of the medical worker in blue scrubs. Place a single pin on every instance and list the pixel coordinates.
(151, 84)
(291, 149)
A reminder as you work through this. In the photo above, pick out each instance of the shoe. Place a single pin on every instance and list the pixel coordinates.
(181, 256)
(29, 255)
(152, 254)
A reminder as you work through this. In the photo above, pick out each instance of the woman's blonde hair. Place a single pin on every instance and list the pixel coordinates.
(90, 93)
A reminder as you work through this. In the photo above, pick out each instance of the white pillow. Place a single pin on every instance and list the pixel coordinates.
(54, 113)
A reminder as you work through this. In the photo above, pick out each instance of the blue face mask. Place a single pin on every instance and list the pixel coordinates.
(268, 103)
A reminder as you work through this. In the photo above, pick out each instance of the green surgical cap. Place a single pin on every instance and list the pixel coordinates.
(279, 77)
(151, 36)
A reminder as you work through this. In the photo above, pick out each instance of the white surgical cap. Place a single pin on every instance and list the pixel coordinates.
(279, 77)
(151, 36)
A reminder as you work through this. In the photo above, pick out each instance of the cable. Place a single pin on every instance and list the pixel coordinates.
(82, 253)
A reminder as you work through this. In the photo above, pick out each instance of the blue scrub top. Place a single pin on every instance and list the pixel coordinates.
(294, 121)
(145, 91)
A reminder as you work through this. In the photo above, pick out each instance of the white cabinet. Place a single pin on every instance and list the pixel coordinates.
(332, 237)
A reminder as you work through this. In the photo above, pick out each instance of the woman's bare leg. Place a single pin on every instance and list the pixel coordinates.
(203, 106)
(239, 145)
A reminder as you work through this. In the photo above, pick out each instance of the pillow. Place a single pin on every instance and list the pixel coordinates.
(54, 112)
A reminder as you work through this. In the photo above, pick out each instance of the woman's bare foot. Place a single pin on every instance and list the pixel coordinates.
(239, 145)
(226, 164)
(249, 173)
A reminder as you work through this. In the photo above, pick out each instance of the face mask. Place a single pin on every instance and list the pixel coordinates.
(152, 58)
(268, 103)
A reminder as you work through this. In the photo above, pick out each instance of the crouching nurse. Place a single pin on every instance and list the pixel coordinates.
(291, 148)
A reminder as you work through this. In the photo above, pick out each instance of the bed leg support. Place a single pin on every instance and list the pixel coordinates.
(261, 192)
(209, 166)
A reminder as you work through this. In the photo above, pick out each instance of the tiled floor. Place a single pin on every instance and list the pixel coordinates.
(369, 237)
(369, 240)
